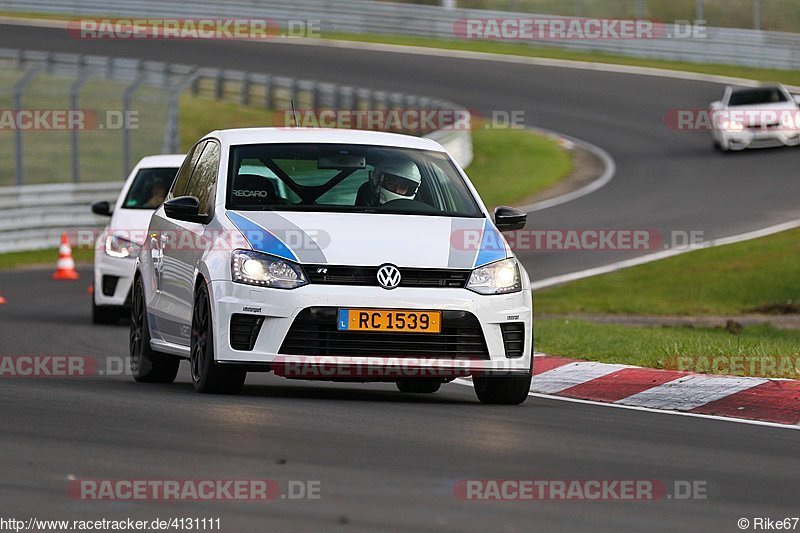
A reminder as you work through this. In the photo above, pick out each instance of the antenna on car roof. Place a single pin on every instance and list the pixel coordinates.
(294, 113)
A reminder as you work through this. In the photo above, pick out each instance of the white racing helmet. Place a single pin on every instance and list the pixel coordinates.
(396, 179)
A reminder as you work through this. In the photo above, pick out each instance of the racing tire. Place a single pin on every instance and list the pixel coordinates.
(418, 385)
(146, 364)
(207, 376)
(502, 390)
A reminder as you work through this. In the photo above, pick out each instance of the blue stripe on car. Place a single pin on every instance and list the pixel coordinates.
(493, 246)
(261, 239)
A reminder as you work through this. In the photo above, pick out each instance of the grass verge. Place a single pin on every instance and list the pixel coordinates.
(757, 275)
(726, 280)
(43, 257)
(511, 165)
(756, 351)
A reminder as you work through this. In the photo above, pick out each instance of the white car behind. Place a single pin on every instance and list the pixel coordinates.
(755, 117)
(119, 242)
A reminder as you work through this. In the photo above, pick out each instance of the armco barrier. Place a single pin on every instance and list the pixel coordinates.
(720, 45)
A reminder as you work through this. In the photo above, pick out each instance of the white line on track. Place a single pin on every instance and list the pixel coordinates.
(613, 267)
(461, 381)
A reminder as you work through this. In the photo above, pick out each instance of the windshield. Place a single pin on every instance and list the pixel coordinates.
(768, 95)
(149, 188)
(347, 178)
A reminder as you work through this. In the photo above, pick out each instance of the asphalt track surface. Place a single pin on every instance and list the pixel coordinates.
(387, 460)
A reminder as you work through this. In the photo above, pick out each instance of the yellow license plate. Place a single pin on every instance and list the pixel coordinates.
(389, 320)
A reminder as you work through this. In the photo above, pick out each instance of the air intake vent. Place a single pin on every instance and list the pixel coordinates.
(314, 332)
(513, 339)
(244, 331)
(109, 285)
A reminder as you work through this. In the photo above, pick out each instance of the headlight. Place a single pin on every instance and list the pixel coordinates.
(501, 277)
(733, 126)
(121, 248)
(254, 268)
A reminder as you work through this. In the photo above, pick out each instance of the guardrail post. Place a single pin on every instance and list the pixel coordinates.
(268, 93)
(172, 131)
(74, 93)
(219, 87)
(245, 97)
(126, 104)
(17, 107)
(757, 14)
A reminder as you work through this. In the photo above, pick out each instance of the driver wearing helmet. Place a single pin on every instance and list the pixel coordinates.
(392, 179)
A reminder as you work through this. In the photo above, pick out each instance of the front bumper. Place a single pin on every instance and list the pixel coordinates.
(760, 138)
(279, 309)
(119, 273)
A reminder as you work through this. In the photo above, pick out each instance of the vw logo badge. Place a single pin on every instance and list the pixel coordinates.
(388, 277)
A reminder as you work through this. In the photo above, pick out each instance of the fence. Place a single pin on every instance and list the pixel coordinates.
(719, 45)
(33, 216)
(774, 15)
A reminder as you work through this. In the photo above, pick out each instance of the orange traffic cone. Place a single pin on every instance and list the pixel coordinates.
(65, 268)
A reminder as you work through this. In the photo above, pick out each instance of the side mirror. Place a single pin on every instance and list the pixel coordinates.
(102, 208)
(509, 218)
(186, 208)
(796, 99)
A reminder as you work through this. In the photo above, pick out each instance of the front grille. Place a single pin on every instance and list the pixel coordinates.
(314, 332)
(109, 285)
(244, 331)
(513, 339)
(367, 276)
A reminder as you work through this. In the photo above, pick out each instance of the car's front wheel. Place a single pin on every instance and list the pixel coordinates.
(504, 390)
(419, 385)
(207, 375)
(147, 365)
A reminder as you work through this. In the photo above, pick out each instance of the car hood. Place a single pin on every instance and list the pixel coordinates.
(366, 239)
(131, 224)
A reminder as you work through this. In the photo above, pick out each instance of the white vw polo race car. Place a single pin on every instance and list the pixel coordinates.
(118, 244)
(330, 254)
(755, 117)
